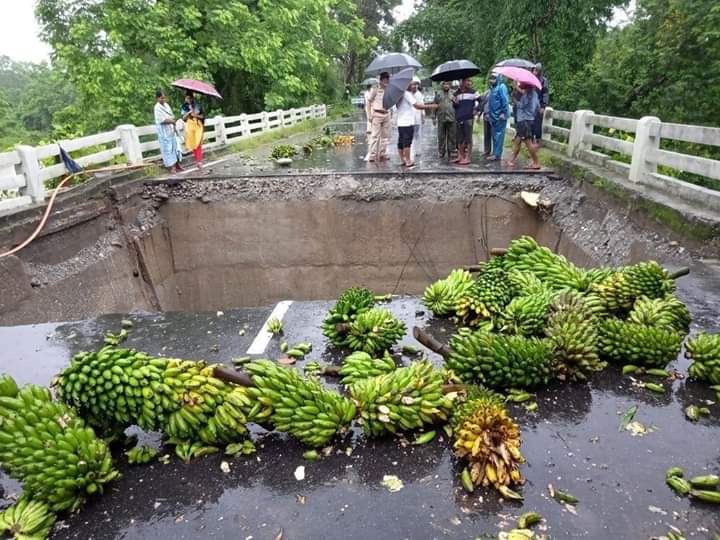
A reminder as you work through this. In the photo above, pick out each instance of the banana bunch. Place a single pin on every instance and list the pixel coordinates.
(500, 361)
(518, 249)
(704, 351)
(442, 296)
(621, 289)
(572, 330)
(114, 388)
(525, 315)
(47, 447)
(351, 303)
(404, 399)
(374, 331)
(360, 365)
(343, 140)
(630, 343)
(488, 438)
(525, 283)
(27, 520)
(667, 312)
(488, 295)
(141, 455)
(298, 405)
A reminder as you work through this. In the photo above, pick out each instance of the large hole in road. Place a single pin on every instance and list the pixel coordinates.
(194, 255)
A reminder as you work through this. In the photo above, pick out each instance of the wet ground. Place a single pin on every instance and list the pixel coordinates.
(351, 158)
(572, 442)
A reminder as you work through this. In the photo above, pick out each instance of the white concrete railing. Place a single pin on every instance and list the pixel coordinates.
(23, 171)
(643, 151)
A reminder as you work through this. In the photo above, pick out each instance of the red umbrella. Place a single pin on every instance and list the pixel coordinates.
(197, 86)
(519, 74)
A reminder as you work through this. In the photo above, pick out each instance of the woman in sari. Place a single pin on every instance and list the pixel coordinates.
(165, 127)
(193, 115)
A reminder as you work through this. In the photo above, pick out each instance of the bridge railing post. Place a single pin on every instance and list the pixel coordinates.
(220, 133)
(581, 126)
(130, 144)
(547, 123)
(34, 186)
(647, 141)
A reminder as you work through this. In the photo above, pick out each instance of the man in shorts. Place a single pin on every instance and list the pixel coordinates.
(406, 123)
(527, 108)
(466, 101)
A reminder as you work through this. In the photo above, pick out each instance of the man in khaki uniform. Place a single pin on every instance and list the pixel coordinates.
(446, 127)
(379, 121)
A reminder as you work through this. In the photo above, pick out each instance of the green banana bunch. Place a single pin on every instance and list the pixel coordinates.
(704, 351)
(351, 303)
(360, 365)
(404, 399)
(621, 289)
(525, 283)
(525, 315)
(374, 331)
(141, 455)
(47, 447)
(442, 296)
(667, 312)
(499, 361)
(630, 343)
(488, 295)
(572, 330)
(518, 250)
(489, 439)
(300, 406)
(27, 520)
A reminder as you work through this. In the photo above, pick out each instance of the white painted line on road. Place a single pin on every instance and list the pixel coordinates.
(264, 335)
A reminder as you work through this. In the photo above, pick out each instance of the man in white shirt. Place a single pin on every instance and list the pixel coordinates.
(419, 119)
(406, 123)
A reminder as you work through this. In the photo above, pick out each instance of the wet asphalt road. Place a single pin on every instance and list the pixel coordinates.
(572, 441)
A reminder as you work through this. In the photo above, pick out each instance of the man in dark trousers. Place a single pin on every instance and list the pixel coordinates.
(466, 104)
(544, 98)
(446, 122)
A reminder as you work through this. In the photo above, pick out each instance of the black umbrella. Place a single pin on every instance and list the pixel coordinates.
(396, 87)
(516, 62)
(392, 63)
(455, 70)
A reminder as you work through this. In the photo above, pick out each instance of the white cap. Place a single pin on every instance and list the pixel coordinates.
(416, 79)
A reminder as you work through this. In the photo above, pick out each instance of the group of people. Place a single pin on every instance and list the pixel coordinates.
(457, 109)
(409, 117)
(173, 133)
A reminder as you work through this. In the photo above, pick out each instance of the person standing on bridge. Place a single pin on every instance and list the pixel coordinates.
(165, 127)
(406, 123)
(446, 128)
(527, 108)
(379, 121)
(419, 119)
(487, 125)
(499, 102)
(544, 99)
(193, 115)
(466, 104)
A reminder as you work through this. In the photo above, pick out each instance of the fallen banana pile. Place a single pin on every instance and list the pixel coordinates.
(537, 316)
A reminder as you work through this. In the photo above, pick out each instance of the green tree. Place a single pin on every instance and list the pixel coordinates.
(260, 53)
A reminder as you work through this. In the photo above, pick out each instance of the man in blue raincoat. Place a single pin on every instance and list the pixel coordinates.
(499, 101)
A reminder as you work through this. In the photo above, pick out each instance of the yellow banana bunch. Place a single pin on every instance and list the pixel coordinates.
(489, 440)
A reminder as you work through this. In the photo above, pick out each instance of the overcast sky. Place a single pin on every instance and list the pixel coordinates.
(19, 36)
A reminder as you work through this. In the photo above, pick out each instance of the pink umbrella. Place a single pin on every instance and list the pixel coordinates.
(197, 86)
(519, 74)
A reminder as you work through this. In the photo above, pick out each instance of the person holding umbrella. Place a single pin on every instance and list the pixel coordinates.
(446, 128)
(193, 115)
(499, 101)
(544, 98)
(379, 120)
(165, 127)
(466, 104)
(527, 108)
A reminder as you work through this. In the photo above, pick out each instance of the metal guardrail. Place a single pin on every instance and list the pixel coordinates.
(25, 170)
(641, 146)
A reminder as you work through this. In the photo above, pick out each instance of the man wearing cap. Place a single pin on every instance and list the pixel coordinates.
(544, 98)
(446, 122)
(379, 120)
